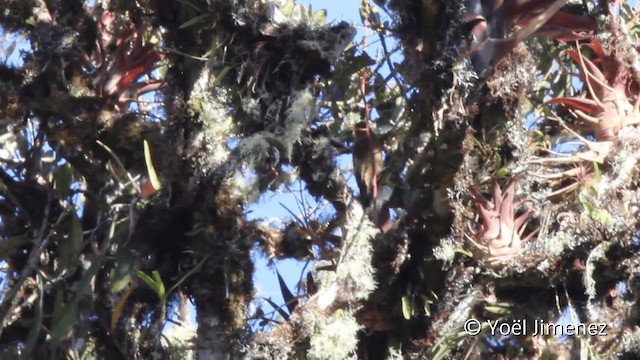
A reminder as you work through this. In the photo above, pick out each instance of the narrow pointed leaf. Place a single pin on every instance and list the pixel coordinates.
(158, 280)
(587, 105)
(62, 180)
(153, 177)
(117, 309)
(596, 77)
(290, 300)
(159, 290)
(406, 307)
(279, 309)
(193, 21)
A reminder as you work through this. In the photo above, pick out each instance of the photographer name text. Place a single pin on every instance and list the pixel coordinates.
(523, 327)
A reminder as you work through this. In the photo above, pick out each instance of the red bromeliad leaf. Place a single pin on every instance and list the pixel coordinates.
(130, 76)
(564, 26)
(609, 91)
(596, 78)
(596, 46)
(500, 229)
(583, 104)
(121, 69)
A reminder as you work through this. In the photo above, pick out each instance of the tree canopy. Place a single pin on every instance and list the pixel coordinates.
(466, 172)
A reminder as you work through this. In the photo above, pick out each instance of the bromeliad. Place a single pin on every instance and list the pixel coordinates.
(500, 235)
(123, 61)
(611, 98)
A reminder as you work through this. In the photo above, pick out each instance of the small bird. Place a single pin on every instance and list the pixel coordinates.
(367, 162)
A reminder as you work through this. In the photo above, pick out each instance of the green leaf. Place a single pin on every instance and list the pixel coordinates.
(61, 329)
(414, 307)
(604, 217)
(594, 182)
(585, 203)
(155, 282)
(76, 236)
(84, 286)
(463, 251)
(288, 7)
(193, 21)
(190, 4)
(71, 245)
(319, 17)
(299, 13)
(221, 75)
(595, 213)
(120, 283)
(406, 307)
(502, 172)
(153, 177)
(498, 310)
(146, 279)
(121, 273)
(161, 289)
(58, 306)
(112, 231)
